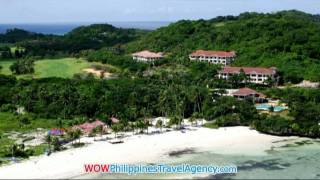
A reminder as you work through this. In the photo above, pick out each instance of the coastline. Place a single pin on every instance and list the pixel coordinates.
(144, 149)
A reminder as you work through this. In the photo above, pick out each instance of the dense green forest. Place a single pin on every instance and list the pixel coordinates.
(180, 95)
(18, 35)
(95, 36)
(288, 40)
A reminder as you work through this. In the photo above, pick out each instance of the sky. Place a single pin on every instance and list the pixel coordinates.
(74, 11)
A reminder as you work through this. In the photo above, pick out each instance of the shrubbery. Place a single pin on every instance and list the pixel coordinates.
(22, 66)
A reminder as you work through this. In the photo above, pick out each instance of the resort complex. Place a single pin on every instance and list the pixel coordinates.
(147, 56)
(232, 91)
(213, 57)
(247, 93)
(262, 102)
(255, 75)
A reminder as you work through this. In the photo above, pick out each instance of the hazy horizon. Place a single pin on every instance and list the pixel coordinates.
(63, 28)
(101, 11)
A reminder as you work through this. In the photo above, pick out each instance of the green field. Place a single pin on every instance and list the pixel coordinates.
(11, 130)
(64, 68)
(5, 67)
(9, 122)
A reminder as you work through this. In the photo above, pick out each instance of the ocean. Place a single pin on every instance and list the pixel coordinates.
(61, 29)
(294, 160)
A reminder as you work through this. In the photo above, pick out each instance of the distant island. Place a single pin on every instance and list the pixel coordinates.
(64, 28)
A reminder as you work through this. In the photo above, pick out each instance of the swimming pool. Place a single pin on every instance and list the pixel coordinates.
(266, 107)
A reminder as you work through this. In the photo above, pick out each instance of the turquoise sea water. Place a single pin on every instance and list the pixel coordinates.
(299, 159)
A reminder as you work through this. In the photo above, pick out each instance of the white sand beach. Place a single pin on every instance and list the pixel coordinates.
(142, 148)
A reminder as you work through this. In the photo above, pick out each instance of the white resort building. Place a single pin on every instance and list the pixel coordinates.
(214, 57)
(255, 75)
(147, 56)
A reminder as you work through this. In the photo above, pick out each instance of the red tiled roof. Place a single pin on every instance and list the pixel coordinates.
(115, 120)
(247, 92)
(214, 53)
(88, 127)
(248, 70)
(98, 123)
(148, 54)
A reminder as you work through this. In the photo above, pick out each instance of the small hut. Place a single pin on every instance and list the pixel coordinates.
(88, 127)
(114, 120)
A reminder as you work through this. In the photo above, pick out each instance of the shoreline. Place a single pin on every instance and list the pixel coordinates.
(144, 148)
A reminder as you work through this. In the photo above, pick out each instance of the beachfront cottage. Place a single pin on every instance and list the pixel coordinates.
(147, 56)
(114, 120)
(56, 132)
(88, 127)
(213, 57)
(255, 75)
(247, 93)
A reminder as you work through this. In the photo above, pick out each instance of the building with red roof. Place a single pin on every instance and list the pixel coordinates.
(255, 75)
(147, 56)
(214, 57)
(114, 120)
(88, 127)
(245, 93)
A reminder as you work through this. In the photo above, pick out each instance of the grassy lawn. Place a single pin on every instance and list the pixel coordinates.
(40, 149)
(64, 68)
(14, 48)
(11, 130)
(220, 24)
(5, 142)
(5, 67)
(9, 122)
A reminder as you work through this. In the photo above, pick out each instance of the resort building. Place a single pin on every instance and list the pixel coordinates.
(88, 127)
(147, 56)
(114, 120)
(254, 74)
(213, 57)
(247, 93)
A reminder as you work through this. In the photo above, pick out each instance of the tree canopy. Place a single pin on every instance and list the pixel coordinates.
(288, 40)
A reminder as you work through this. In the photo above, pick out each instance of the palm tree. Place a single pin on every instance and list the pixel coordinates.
(176, 120)
(77, 134)
(192, 119)
(146, 125)
(100, 130)
(71, 136)
(94, 133)
(116, 128)
(132, 126)
(48, 139)
(159, 124)
(56, 144)
(142, 125)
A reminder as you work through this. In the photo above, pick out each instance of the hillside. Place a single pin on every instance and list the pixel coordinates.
(288, 40)
(100, 35)
(18, 35)
(84, 37)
